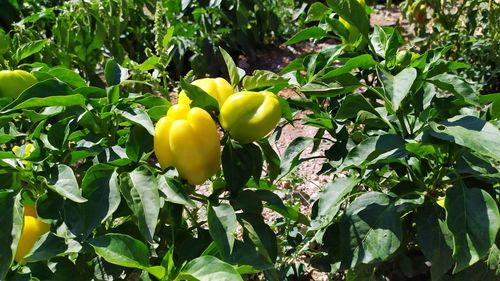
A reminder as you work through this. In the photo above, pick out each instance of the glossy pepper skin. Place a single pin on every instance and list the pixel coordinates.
(187, 139)
(33, 229)
(14, 82)
(218, 88)
(249, 116)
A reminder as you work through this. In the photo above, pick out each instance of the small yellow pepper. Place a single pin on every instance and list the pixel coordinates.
(249, 116)
(187, 139)
(33, 229)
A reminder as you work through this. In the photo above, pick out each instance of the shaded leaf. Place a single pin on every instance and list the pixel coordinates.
(11, 219)
(471, 132)
(222, 227)
(114, 73)
(140, 190)
(62, 180)
(473, 219)
(396, 88)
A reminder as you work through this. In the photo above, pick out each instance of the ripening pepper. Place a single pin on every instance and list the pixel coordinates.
(187, 139)
(249, 116)
(33, 229)
(14, 82)
(218, 88)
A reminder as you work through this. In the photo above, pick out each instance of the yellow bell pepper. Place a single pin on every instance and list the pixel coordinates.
(187, 139)
(14, 82)
(249, 116)
(218, 88)
(33, 229)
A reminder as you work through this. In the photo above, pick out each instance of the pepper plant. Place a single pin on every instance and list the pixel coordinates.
(113, 210)
(413, 150)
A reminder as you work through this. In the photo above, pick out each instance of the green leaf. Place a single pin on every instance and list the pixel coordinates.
(379, 40)
(126, 251)
(174, 191)
(199, 97)
(352, 105)
(391, 48)
(208, 268)
(113, 94)
(370, 231)
(222, 227)
(68, 76)
(115, 73)
(138, 147)
(249, 259)
(275, 203)
(262, 79)
(261, 235)
(232, 69)
(168, 36)
(11, 219)
(272, 158)
(29, 49)
(495, 109)
(9, 132)
(48, 246)
(362, 61)
(292, 154)
(59, 132)
(493, 260)
(140, 190)
(51, 92)
(473, 218)
(469, 131)
(139, 117)
(396, 88)
(434, 239)
(352, 12)
(306, 34)
(149, 64)
(330, 199)
(316, 12)
(457, 86)
(374, 149)
(62, 180)
(100, 186)
(168, 262)
(322, 89)
(4, 42)
(239, 163)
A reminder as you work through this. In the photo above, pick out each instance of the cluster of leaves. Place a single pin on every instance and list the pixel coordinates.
(113, 211)
(81, 35)
(471, 27)
(414, 150)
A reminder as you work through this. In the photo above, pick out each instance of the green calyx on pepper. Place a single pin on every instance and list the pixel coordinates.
(248, 116)
(187, 139)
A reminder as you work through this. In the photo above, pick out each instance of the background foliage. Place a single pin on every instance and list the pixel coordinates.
(411, 135)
